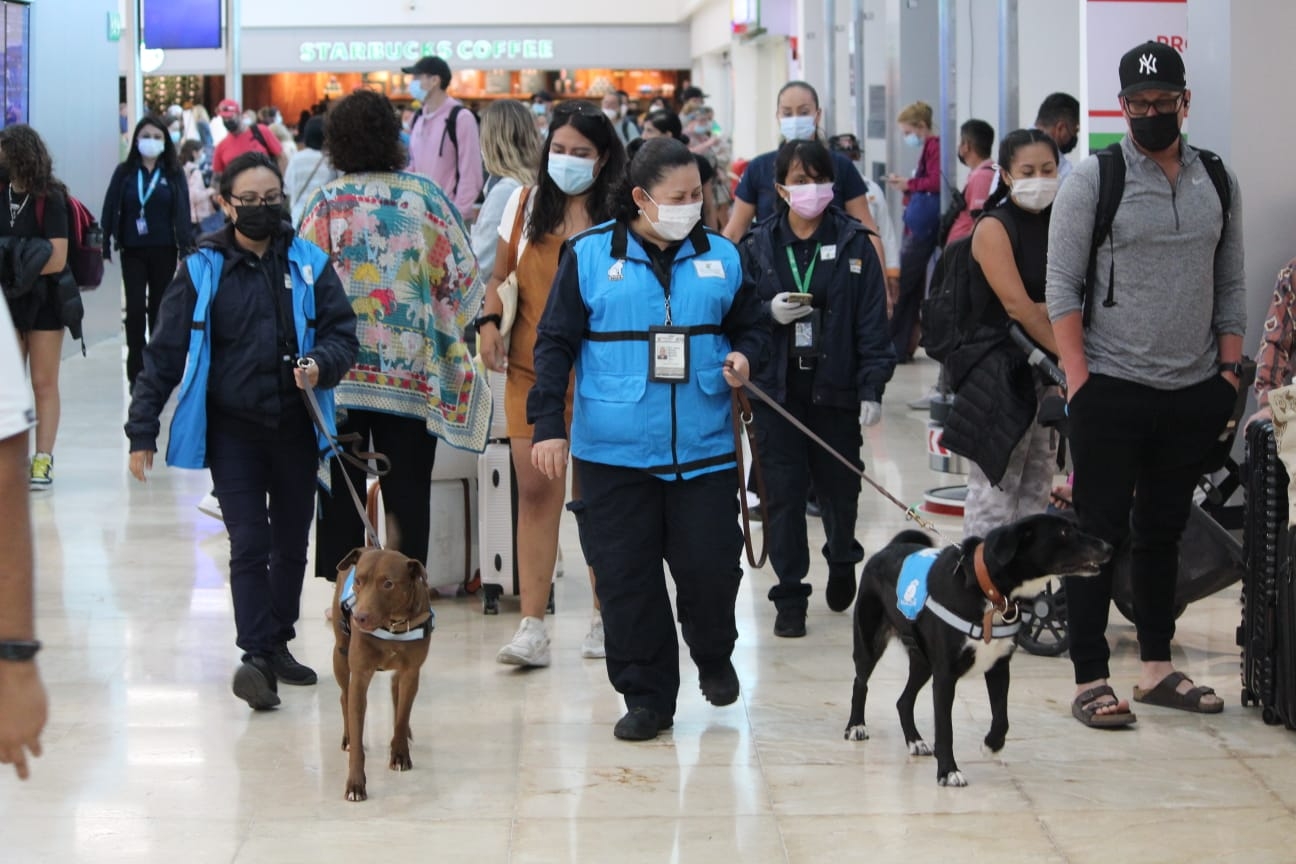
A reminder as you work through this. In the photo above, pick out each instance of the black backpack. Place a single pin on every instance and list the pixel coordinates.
(451, 131)
(1111, 187)
(958, 297)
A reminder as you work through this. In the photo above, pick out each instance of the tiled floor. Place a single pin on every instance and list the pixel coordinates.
(151, 759)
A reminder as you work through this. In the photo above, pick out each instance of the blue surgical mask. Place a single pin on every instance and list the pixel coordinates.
(416, 90)
(572, 174)
(797, 128)
(538, 109)
(912, 140)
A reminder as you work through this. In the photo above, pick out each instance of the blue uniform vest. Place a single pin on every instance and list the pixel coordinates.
(187, 444)
(673, 431)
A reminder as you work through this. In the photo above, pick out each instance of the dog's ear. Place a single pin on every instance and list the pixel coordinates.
(421, 595)
(1001, 545)
(350, 560)
(416, 571)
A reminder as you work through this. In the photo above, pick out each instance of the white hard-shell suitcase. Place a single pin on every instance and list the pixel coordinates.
(452, 552)
(497, 526)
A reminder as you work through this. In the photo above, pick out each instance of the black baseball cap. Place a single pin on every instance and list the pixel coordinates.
(1151, 66)
(692, 93)
(430, 66)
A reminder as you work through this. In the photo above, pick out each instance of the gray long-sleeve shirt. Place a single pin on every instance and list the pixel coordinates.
(1177, 287)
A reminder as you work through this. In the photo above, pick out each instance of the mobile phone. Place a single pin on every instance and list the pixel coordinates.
(803, 299)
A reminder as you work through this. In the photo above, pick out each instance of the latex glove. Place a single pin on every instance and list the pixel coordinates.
(870, 413)
(785, 311)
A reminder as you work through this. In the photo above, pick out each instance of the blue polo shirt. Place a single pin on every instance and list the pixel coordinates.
(757, 183)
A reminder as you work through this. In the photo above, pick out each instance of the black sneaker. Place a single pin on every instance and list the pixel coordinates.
(790, 623)
(288, 670)
(641, 724)
(841, 586)
(720, 684)
(254, 683)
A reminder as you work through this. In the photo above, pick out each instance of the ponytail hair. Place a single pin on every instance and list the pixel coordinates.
(1008, 147)
(653, 160)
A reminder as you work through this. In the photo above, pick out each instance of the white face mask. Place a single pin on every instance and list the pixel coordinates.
(612, 114)
(797, 128)
(150, 148)
(1034, 193)
(674, 221)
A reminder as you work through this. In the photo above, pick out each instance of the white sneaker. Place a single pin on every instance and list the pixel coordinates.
(210, 506)
(592, 647)
(530, 645)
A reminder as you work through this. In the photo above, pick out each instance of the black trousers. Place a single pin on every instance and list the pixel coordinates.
(1140, 449)
(630, 522)
(267, 540)
(146, 272)
(791, 461)
(915, 253)
(406, 491)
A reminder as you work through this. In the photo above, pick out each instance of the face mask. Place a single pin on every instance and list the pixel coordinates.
(258, 222)
(175, 137)
(416, 90)
(1069, 146)
(809, 200)
(674, 221)
(150, 148)
(1034, 193)
(1155, 133)
(572, 174)
(911, 139)
(538, 109)
(231, 125)
(797, 128)
(612, 114)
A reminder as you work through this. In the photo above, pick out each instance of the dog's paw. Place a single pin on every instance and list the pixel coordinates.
(993, 744)
(356, 791)
(919, 747)
(400, 762)
(857, 733)
(953, 778)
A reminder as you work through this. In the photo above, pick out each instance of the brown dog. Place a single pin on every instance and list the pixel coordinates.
(382, 622)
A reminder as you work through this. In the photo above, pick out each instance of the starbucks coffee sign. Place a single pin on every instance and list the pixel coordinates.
(379, 53)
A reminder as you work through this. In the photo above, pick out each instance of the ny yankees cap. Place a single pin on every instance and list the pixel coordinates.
(1151, 66)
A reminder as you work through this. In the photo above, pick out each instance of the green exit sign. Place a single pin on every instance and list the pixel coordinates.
(114, 26)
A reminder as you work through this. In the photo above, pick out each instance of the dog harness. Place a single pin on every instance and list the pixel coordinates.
(413, 634)
(912, 597)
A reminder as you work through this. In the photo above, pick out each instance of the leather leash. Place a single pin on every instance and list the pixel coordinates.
(360, 459)
(911, 512)
(742, 419)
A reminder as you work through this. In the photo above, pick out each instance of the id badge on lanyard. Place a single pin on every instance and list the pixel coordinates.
(805, 331)
(141, 224)
(668, 350)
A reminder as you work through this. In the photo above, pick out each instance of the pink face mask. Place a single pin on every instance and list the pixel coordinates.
(810, 200)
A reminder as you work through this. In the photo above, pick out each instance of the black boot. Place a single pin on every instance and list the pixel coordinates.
(719, 684)
(288, 670)
(254, 683)
(790, 623)
(641, 724)
(841, 586)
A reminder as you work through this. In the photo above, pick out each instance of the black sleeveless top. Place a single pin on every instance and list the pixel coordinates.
(1028, 233)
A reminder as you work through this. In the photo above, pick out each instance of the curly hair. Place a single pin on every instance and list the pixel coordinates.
(362, 133)
(27, 159)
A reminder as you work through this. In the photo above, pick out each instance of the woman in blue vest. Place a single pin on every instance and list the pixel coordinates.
(650, 308)
(246, 306)
(816, 269)
(146, 210)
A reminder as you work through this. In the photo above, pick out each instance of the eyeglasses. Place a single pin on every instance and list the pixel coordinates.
(1140, 107)
(274, 199)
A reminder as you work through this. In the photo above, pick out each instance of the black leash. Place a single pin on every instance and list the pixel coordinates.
(359, 459)
(911, 513)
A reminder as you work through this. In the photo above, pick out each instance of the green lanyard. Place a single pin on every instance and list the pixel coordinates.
(803, 285)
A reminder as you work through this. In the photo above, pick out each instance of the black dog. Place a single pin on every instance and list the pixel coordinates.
(974, 587)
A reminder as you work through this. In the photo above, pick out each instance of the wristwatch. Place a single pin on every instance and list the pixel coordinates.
(18, 649)
(487, 319)
(1234, 367)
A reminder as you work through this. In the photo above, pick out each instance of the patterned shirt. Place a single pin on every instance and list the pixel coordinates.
(403, 255)
(1274, 360)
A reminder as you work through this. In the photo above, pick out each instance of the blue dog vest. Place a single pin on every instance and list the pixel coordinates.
(911, 589)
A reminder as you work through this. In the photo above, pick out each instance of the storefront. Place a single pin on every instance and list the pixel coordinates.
(295, 69)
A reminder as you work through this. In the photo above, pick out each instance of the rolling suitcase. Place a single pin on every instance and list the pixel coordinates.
(1265, 548)
(452, 542)
(1284, 704)
(497, 527)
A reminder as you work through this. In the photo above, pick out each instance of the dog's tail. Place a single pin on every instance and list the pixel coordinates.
(918, 538)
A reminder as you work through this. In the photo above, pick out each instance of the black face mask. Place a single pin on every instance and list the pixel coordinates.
(258, 222)
(1156, 132)
(1069, 146)
(231, 125)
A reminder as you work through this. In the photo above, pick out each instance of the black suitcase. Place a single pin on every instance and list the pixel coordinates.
(1265, 550)
(1284, 704)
